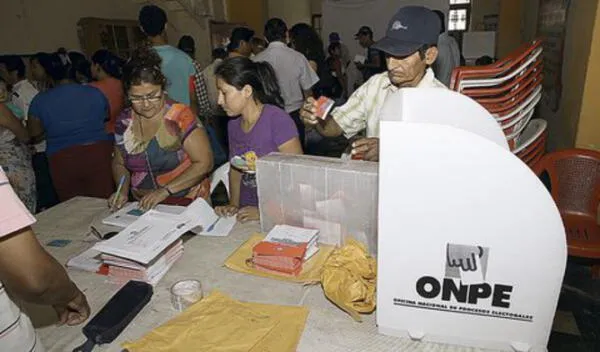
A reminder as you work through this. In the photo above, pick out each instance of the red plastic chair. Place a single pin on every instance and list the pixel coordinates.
(532, 155)
(575, 186)
(499, 68)
(534, 71)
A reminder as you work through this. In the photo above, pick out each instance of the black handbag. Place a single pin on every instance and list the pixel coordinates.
(116, 315)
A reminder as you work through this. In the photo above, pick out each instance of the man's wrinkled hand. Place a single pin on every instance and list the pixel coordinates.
(366, 149)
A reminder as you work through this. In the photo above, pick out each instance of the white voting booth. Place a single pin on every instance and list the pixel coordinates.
(471, 246)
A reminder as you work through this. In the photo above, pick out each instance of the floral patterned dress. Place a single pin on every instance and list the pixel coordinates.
(157, 162)
(15, 160)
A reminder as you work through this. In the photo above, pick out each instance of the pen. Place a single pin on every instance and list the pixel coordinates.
(96, 233)
(121, 182)
(212, 226)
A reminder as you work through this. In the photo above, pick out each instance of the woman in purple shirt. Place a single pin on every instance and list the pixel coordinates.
(249, 93)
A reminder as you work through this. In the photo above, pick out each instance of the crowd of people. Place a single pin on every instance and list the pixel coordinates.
(154, 126)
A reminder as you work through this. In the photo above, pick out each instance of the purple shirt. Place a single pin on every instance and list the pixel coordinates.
(273, 128)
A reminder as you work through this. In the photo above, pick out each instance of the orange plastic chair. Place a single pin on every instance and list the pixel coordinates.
(534, 153)
(575, 186)
(499, 68)
(534, 71)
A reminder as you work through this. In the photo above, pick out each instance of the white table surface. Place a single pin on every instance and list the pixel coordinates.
(327, 328)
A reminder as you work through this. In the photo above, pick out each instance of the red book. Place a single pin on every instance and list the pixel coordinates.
(279, 257)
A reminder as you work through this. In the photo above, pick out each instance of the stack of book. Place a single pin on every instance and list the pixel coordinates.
(120, 270)
(285, 249)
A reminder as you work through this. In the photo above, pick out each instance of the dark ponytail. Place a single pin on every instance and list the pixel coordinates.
(143, 67)
(109, 62)
(241, 71)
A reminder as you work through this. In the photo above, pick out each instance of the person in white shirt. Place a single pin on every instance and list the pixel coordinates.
(448, 53)
(294, 75)
(23, 91)
(410, 49)
(29, 273)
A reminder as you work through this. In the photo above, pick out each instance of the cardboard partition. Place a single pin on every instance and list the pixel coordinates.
(445, 107)
(472, 248)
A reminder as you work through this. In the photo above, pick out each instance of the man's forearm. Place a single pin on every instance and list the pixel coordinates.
(329, 128)
(59, 290)
(31, 273)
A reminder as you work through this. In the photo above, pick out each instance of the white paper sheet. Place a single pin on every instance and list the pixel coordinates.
(88, 260)
(221, 229)
(130, 213)
(291, 234)
(154, 231)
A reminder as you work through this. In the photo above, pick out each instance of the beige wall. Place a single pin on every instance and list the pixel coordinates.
(316, 7)
(30, 26)
(588, 129)
(291, 11)
(509, 27)
(481, 8)
(250, 12)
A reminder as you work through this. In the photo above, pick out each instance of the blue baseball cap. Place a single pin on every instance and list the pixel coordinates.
(334, 37)
(409, 29)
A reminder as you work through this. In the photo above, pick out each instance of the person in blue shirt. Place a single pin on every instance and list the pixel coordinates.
(176, 65)
(70, 117)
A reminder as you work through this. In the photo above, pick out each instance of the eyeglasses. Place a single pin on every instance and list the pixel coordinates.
(150, 98)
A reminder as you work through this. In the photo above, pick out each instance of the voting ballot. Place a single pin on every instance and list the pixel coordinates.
(471, 246)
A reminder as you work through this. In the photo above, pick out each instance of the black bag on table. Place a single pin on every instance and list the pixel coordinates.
(116, 315)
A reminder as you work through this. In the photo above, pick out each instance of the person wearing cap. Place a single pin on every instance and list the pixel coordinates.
(334, 37)
(239, 42)
(410, 48)
(448, 53)
(375, 60)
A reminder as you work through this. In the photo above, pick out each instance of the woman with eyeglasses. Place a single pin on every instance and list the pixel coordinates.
(70, 117)
(162, 152)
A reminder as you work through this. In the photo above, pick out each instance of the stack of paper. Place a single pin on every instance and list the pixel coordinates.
(148, 247)
(88, 260)
(121, 270)
(285, 249)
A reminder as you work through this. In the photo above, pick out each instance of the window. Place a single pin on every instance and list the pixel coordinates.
(121, 37)
(316, 23)
(459, 15)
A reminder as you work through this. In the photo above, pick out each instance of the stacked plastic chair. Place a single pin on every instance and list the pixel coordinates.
(510, 89)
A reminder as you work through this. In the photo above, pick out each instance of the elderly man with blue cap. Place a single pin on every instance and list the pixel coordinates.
(410, 49)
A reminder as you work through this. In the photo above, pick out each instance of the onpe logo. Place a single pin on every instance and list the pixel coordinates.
(465, 278)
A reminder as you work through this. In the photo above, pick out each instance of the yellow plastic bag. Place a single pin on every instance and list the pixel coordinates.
(349, 279)
(221, 324)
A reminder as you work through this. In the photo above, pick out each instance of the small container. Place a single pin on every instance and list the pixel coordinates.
(184, 293)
